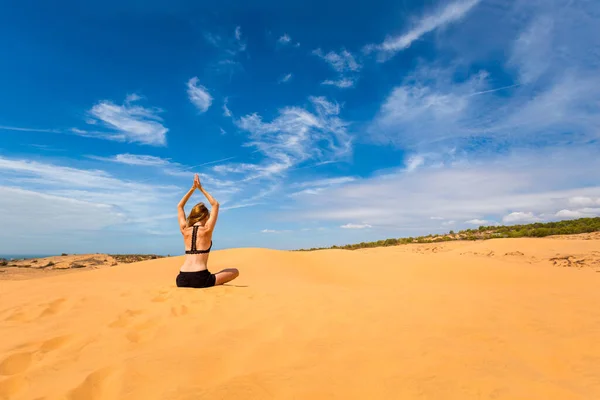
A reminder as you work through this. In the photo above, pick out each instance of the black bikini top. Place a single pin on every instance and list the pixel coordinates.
(193, 250)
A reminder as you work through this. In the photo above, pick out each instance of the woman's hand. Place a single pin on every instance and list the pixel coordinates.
(197, 183)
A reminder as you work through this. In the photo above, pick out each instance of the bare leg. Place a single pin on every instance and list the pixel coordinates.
(226, 275)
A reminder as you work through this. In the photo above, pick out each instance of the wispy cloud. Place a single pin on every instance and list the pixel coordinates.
(581, 213)
(344, 63)
(25, 129)
(199, 95)
(325, 182)
(222, 131)
(450, 13)
(128, 122)
(284, 39)
(235, 168)
(319, 186)
(520, 217)
(226, 110)
(479, 222)
(229, 47)
(67, 214)
(213, 39)
(523, 184)
(291, 137)
(414, 162)
(552, 94)
(532, 51)
(342, 83)
(238, 45)
(170, 168)
(285, 78)
(229, 44)
(355, 226)
(93, 198)
(135, 159)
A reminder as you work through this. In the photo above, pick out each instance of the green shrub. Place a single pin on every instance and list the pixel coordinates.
(538, 229)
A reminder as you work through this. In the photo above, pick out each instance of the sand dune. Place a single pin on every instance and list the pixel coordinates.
(500, 319)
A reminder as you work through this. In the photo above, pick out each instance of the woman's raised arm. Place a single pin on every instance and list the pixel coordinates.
(214, 206)
(180, 211)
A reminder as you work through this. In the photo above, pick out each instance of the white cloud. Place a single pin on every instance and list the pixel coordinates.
(51, 214)
(519, 216)
(297, 135)
(222, 131)
(309, 192)
(135, 159)
(25, 129)
(325, 182)
(229, 47)
(68, 200)
(431, 110)
(342, 83)
(427, 108)
(238, 45)
(341, 62)
(129, 122)
(581, 213)
(450, 13)
(198, 95)
(50, 175)
(584, 201)
(319, 185)
(285, 78)
(478, 222)
(236, 168)
(226, 110)
(476, 188)
(344, 63)
(132, 98)
(532, 48)
(215, 40)
(284, 39)
(356, 226)
(413, 162)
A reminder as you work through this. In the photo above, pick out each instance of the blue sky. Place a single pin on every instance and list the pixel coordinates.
(313, 123)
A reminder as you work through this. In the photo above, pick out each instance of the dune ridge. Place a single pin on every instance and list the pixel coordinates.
(499, 319)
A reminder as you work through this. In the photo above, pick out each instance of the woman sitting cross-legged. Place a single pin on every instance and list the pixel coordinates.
(197, 230)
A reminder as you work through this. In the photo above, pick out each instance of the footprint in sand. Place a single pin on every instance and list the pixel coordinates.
(16, 363)
(179, 310)
(125, 318)
(53, 307)
(143, 332)
(96, 385)
(31, 313)
(162, 296)
(11, 386)
(20, 362)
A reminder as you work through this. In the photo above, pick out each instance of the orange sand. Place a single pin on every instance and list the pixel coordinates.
(500, 319)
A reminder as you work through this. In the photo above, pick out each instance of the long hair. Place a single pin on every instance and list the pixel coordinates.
(199, 212)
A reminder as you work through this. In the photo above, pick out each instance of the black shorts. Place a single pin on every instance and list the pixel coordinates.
(197, 279)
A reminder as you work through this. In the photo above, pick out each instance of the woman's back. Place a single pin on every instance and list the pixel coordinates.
(198, 243)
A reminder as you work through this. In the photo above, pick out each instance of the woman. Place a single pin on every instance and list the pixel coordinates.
(197, 231)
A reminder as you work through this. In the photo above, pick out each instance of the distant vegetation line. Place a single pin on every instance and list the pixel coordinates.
(538, 229)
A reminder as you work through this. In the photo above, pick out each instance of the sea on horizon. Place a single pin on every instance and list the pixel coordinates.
(25, 256)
